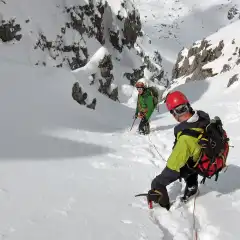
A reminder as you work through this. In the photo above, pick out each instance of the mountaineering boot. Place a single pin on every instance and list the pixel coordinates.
(147, 128)
(157, 196)
(154, 196)
(144, 131)
(189, 192)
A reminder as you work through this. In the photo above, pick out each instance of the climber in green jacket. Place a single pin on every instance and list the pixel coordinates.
(145, 107)
(186, 151)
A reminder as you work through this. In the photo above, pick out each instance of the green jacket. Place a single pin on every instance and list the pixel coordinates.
(186, 147)
(145, 104)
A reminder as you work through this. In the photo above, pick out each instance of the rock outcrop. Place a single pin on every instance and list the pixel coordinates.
(9, 31)
(232, 80)
(233, 13)
(192, 61)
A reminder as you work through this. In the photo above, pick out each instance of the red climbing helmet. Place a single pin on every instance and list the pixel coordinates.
(175, 99)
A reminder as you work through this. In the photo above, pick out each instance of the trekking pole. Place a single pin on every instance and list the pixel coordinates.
(133, 124)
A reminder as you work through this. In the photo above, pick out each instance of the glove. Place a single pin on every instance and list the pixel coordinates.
(141, 115)
(135, 115)
(154, 195)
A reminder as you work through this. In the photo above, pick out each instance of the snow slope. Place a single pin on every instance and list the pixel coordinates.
(174, 24)
(71, 172)
(62, 174)
(68, 172)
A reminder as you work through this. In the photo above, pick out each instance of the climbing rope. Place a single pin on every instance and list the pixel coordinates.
(160, 155)
(195, 232)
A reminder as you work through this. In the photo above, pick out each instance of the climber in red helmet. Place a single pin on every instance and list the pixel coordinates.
(186, 151)
(175, 99)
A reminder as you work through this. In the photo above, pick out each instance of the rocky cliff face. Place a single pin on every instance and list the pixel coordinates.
(233, 13)
(192, 61)
(9, 30)
(214, 55)
(84, 29)
(90, 21)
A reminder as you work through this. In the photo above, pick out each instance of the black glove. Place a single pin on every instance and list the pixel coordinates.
(154, 195)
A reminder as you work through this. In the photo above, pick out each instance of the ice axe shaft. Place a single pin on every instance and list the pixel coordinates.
(133, 124)
(141, 195)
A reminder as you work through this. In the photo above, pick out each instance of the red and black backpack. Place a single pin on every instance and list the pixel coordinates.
(215, 147)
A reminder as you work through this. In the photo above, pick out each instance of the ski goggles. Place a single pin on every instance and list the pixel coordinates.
(140, 88)
(180, 110)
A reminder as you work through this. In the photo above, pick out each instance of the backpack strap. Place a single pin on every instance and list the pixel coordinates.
(152, 96)
(144, 96)
(192, 133)
(188, 132)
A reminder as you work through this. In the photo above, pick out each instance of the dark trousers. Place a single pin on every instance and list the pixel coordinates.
(190, 176)
(168, 176)
(144, 126)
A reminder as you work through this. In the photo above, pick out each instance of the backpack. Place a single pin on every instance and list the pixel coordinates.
(215, 148)
(155, 95)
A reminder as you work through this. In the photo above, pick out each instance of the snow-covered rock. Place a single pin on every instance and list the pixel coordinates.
(197, 56)
(100, 37)
(214, 55)
(176, 24)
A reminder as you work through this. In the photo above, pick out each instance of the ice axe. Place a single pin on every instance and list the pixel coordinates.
(145, 195)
